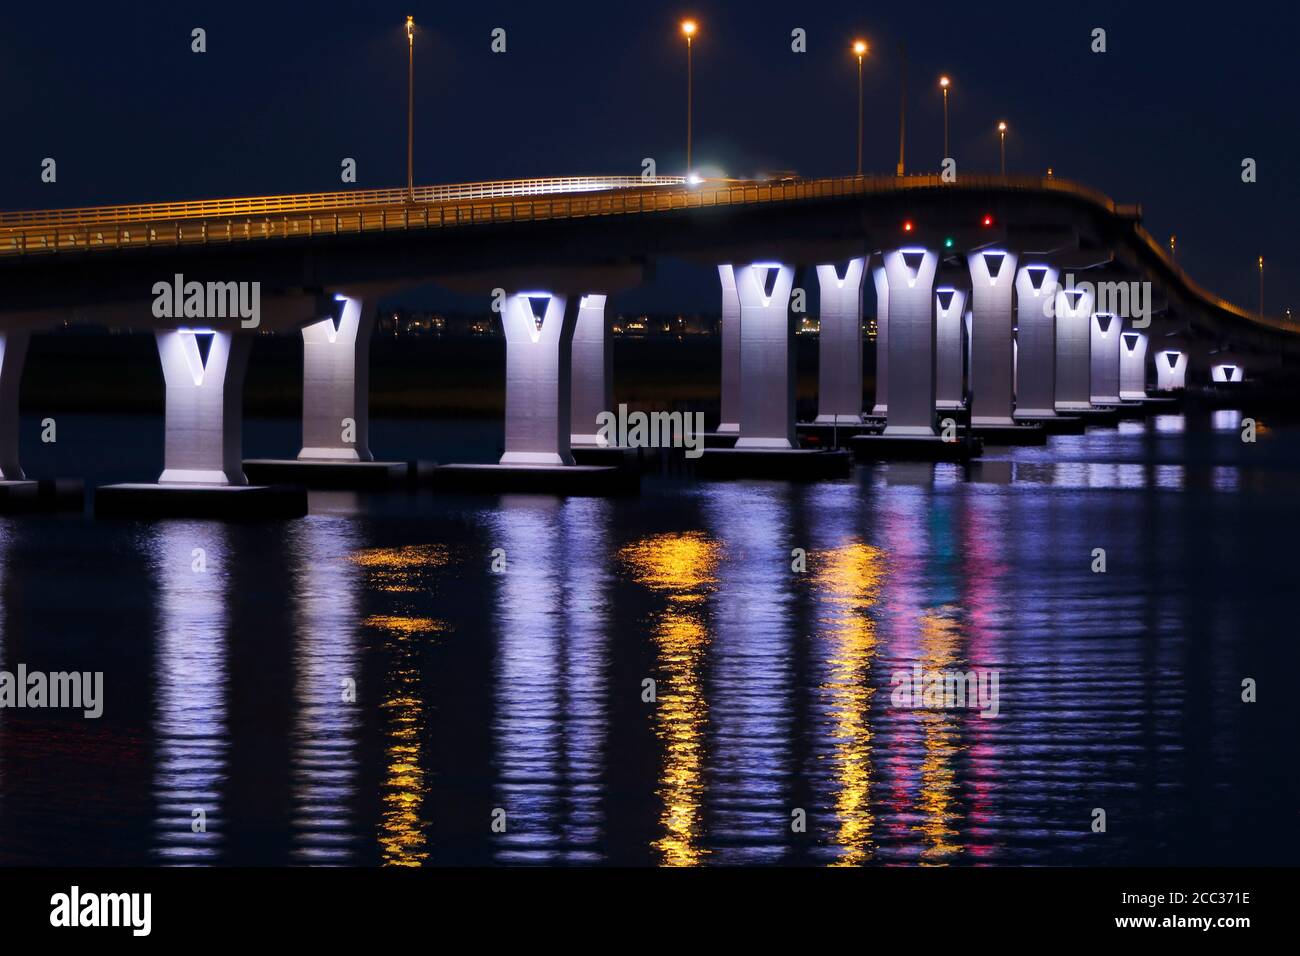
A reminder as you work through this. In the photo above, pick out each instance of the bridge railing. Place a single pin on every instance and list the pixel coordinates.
(325, 215)
(302, 202)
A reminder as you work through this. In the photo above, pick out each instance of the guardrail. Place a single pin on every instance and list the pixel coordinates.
(300, 202)
(300, 217)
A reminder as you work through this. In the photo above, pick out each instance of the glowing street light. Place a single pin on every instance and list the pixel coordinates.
(1173, 248)
(1002, 138)
(859, 50)
(944, 83)
(410, 108)
(688, 30)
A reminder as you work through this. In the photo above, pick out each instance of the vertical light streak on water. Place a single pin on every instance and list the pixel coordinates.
(751, 659)
(327, 604)
(682, 567)
(528, 611)
(402, 577)
(191, 678)
(847, 581)
(586, 669)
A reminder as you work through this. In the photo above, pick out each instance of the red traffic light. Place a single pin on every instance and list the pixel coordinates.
(907, 226)
(987, 220)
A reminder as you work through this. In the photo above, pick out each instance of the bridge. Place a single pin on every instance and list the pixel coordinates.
(989, 301)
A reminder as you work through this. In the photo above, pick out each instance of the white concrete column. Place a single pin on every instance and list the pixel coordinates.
(1171, 370)
(538, 377)
(730, 333)
(993, 277)
(593, 370)
(1227, 372)
(909, 277)
(839, 372)
(880, 406)
(1133, 365)
(204, 411)
(1036, 286)
(1073, 349)
(949, 333)
(13, 354)
(1104, 389)
(336, 385)
(766, 356)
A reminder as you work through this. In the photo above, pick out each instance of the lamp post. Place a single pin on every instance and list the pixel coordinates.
(688, 30)
(410, 109)
(1002, 142)
(1261, 287)
(860, 50)
(944, 83)
(902, 105)
(1173, 248)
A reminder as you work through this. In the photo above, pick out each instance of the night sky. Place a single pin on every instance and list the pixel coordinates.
(1164, 118)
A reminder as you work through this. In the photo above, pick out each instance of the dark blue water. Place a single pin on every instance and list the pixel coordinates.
(521, 692)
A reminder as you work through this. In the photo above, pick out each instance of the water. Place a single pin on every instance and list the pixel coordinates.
(523, 691)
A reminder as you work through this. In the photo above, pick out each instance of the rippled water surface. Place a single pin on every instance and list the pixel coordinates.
(361, 687)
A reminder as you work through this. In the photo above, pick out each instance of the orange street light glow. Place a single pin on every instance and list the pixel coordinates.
(688, 28)
(859, 47)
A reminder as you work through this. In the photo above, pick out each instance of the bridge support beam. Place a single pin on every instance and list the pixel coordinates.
(13, 355)
(593, 370)
(766, 356)
(730, 333)
(204, 411)
(336, 385)
(839, 372)
(1036, 286)
(993, 275)
(949, 333)
(1073, 350)
(1104, 389)
(908, 275)
(1171, 370)
(539, 330)
(1133, 365)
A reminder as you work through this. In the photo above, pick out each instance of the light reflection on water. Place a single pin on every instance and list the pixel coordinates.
(773, 736)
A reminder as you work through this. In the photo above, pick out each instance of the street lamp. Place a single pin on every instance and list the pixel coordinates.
(410, 108)
(944, 83)
(859, 50)
(1173, 248)
(1002, 139)
(688, 30)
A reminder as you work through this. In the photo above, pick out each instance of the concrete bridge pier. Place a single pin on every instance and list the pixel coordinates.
(1105, 344)
(538, 458)
(993, 350)
(336, 385)
(203, 473)
(335, 407)
(1133, 366)
(839, 372)
(908, 276)
(949, 336)
(592, 369)
(729, 422)
(1171, 370)
(1036, 288)
(767, 446)
(1227, 370)
(766, 355)
(880, 404)
(13, 355)
(1073, 350)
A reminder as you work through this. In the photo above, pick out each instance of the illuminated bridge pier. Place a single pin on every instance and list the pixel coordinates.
(335, 408)
(766, 444)
(203, 473)
(539, 330)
